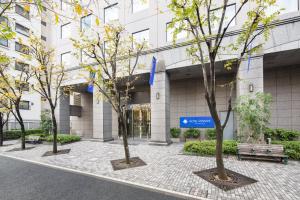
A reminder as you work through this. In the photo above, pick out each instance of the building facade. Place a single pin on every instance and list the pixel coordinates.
(178, 88)
(23, 22)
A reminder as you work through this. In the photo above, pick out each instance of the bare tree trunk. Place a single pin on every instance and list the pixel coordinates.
(1, 129)
(219, 153)
(123, 121)
(23, 135)
(23, 132)
(54, 129)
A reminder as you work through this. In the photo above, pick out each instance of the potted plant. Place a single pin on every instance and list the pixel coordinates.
(175, 134)
(192, 134)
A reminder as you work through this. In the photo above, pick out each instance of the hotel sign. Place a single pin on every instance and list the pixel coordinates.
(197, 122)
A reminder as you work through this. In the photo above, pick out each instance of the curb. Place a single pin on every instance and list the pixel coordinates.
(115, 180)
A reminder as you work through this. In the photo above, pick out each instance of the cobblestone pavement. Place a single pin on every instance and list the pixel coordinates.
(167, 169)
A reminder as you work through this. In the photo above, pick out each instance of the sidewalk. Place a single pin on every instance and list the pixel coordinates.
(167, 169)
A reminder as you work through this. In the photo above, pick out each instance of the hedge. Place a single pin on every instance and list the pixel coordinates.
(175, 132)
(208, 147)
(16, 134)
(210, 134)
(64, 138)
(281, 134)
(192, 133)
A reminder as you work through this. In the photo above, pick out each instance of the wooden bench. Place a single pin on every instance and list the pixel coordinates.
(273, 152)
(33, 139)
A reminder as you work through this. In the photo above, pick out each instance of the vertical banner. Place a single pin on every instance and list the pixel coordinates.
(152, 73)
(90, 87)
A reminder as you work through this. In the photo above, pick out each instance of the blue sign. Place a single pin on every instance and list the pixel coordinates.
(197, 122)
(153, 69)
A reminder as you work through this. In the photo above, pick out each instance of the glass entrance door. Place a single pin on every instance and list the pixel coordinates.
(139, 121)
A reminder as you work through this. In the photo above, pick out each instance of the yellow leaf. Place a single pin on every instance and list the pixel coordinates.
(78, 9)
(56, 18)
(97, 21)
(27, 7)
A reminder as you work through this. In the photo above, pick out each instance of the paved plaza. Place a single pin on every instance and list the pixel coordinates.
(167, 169)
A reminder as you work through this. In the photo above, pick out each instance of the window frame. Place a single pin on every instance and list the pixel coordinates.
(61, 29)
(81, 20)
(26, 52)
(61, 57)
(108, 7)
(24, 108)
(22, 67)
(6, 40)
(22, 27)
(27, 13)
(147, 29)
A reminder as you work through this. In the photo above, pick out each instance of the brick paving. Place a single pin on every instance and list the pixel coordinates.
(167, 169)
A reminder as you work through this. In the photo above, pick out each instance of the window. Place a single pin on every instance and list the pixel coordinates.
(22, 29)
(139, 5)
(4, 23)
(22, 86)
(20, 66)
(24, 105)
(287, 6)
(86, 22)
(141, 36)
(217, 14)
(111, 13)
(66, 59)
(21, 11)
(170, 31)
(65, 31)
(22, 48)
(43, 38)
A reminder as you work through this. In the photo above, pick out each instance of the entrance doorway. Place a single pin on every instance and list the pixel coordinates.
(139, 121)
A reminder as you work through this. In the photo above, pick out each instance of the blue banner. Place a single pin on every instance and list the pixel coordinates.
(197, 122)
(90, 87)
(153, 69)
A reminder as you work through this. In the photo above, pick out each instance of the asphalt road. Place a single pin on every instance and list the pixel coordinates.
(21, 180)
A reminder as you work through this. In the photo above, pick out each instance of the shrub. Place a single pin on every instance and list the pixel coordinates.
(291, 148)
(175, 132)
(192, 133)
(16, 134)
(210, 134)
(43, 136)
(254, 114)
(281, 134)
(64, 138)
(46, 121)
(208, 147)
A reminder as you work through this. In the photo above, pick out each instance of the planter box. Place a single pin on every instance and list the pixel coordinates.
(191, 139)
(175, 140)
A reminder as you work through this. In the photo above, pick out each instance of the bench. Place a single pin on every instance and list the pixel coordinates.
(33, 139)
(268, 152)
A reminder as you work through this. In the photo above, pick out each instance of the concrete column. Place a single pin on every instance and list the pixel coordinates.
(252, 76)
(63, 114)
(102, 118)
(160, 107)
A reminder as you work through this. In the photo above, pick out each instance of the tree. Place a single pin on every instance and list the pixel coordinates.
(49, 78)
(4, 117)
(116, 56)
(12, 87)
(208, 25)
(254, 115)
